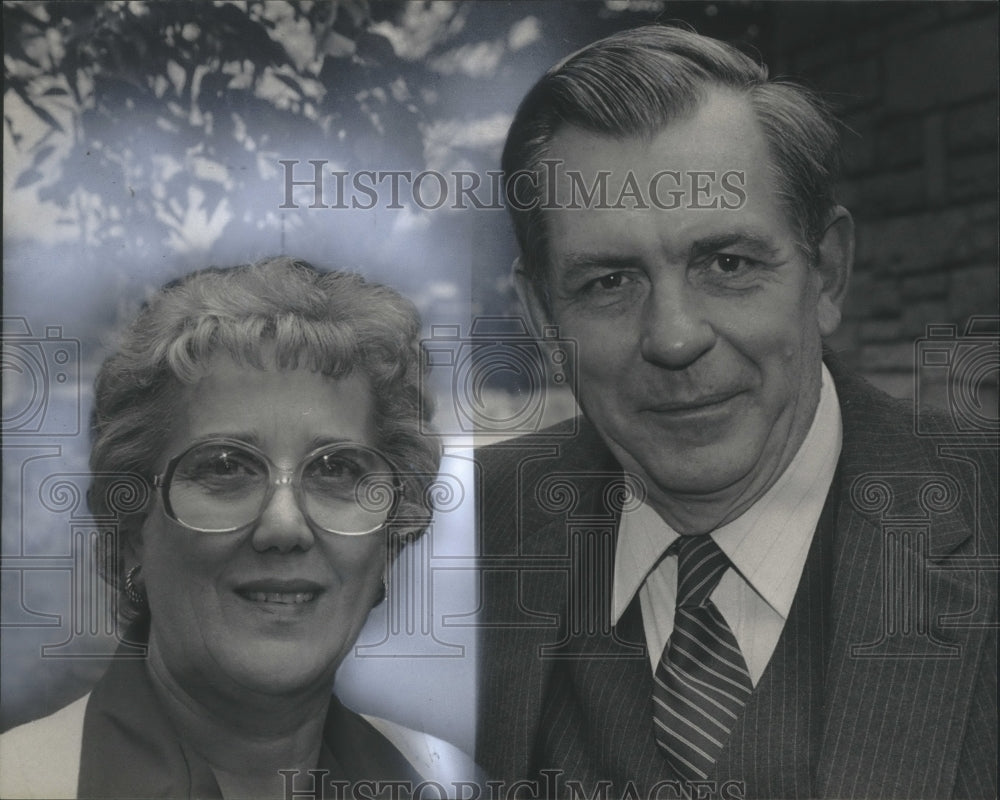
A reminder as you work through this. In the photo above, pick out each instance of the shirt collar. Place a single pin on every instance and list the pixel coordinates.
(769, 542)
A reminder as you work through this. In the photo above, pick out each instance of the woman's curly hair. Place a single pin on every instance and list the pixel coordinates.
(278, 312)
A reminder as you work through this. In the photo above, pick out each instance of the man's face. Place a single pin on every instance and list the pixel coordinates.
(698, 329)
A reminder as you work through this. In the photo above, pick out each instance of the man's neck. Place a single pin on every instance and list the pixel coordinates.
(693, 515)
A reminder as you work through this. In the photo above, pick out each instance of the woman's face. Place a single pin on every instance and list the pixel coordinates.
(275, 606)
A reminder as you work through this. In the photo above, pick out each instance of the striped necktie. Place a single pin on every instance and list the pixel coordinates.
(701, 683)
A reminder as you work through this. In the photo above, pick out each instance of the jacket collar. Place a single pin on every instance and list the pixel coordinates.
(897, 704)
(130, 747)
(900, 679)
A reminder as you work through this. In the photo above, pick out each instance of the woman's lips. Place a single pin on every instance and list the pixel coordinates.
(285, 598)
(294, 592)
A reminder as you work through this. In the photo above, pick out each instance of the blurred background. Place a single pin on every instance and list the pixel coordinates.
(145, 139)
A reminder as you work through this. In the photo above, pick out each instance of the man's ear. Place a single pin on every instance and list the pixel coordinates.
(533, 301)
(835, 260)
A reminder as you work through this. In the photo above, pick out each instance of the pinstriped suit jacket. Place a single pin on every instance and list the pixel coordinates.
(910, 694)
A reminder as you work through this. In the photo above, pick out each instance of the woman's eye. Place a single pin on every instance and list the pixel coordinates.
(214, 465)
(334, 467)
(225, 466)
(232, 463)
(330, 466)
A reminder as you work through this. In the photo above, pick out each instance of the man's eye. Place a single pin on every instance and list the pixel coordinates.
(610, 282)
(730, 263)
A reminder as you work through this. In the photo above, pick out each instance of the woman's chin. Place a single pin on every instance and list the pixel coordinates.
(270, 667)
(280, 671)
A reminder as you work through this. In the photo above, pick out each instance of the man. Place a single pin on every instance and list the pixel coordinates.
(698, 588)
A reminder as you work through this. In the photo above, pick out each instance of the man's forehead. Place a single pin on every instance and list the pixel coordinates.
(722, 126)
(698, 180)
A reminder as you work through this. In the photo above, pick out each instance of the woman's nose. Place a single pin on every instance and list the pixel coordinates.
(282, 525)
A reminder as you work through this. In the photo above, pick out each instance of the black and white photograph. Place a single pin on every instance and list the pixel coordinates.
(652, 348)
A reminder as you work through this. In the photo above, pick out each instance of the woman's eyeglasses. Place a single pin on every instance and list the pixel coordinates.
(222, 485)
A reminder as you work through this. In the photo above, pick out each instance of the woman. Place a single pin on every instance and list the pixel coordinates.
(274, 412)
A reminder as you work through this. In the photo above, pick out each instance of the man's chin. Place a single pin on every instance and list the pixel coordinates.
(678, 469)
(705, 482)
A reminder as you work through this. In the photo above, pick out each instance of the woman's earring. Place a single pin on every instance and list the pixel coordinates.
(383, 595)
(135, 595)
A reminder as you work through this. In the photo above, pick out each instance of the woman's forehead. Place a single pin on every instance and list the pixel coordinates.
(282, 411)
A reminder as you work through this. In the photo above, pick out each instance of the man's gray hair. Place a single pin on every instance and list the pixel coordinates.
(633, 84)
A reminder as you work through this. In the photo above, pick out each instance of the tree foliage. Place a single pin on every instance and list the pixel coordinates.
(145, 121)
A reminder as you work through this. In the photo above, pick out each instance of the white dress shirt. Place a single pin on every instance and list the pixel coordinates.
(767, 545)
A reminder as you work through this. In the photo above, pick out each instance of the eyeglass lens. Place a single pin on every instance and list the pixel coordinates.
(218, 486)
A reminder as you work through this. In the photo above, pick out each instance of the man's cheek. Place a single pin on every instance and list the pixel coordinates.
(601, 378)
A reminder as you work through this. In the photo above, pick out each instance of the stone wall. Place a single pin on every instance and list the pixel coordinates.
(916, 84)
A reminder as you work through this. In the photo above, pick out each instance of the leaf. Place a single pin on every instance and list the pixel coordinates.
(338, 46)
(14, 135)
(41, 154)
(375, 47)
(243, 38)
(18, 25)
(40, 112)
(214, 194)
(290, 82)
(28, 177)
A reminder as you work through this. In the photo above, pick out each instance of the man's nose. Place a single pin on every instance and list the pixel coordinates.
(675, 328)
(282, 525)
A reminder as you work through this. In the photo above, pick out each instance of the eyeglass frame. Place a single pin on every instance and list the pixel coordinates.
(292, 478)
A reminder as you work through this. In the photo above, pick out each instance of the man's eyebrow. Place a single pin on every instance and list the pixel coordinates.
(577, 263)
(753, 243)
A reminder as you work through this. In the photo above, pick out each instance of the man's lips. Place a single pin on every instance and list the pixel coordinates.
(688, 406)
(291, 592)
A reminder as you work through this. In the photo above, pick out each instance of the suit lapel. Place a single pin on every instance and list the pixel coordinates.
(899, 683)
(554, 486)
(542, 592)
